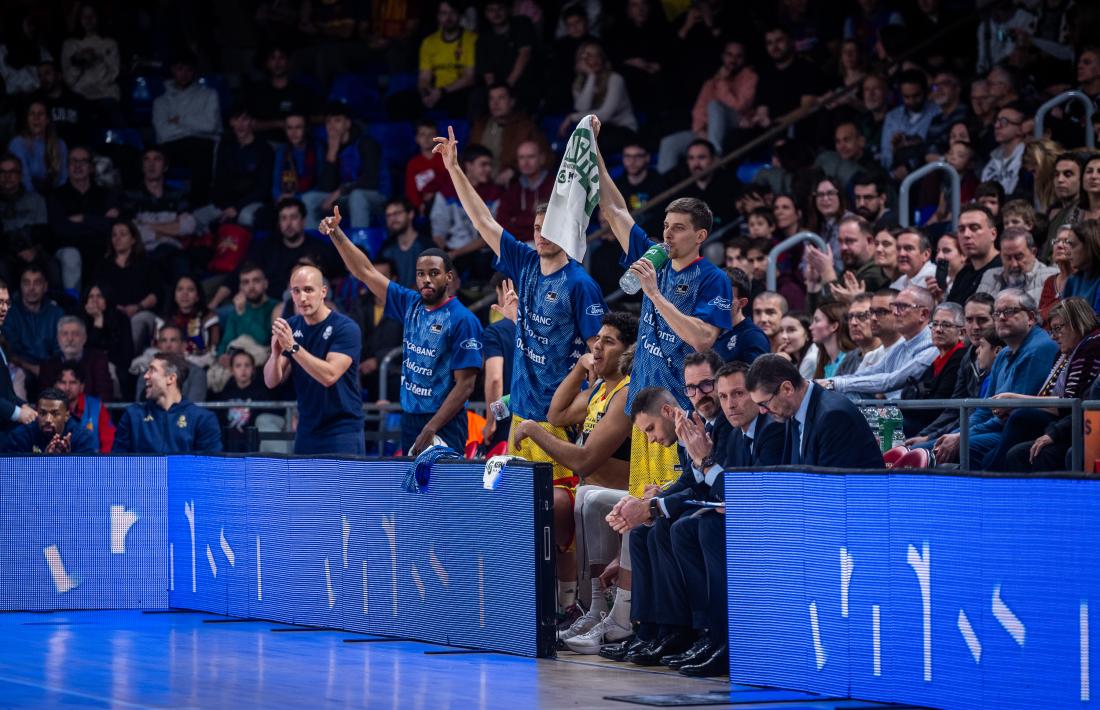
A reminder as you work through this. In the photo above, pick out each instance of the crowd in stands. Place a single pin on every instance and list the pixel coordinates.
(165, 171)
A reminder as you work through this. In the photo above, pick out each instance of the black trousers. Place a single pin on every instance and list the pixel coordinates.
(699, 543)
(659, 600)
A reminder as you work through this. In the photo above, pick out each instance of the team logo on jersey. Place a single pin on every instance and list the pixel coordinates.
(327, 334)
(297, 334)
(182, 422)
(732, 343)
(436, 328)
(721, 303)
(471, 344)
(595, 310)
(551, 296)
(682, 288)
(148, 418)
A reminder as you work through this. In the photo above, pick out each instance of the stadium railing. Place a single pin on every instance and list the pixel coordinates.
(786, 245)
(906, 217)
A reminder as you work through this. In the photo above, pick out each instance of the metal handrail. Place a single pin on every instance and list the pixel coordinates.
(384, 371)
(965, 406)
(907, 183)
(1062, 98)
(786, 245)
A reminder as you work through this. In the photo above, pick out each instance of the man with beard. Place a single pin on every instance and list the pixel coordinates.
(869, 201)
(856, 253)
(403, 242)
(1021, 268)
(714, 188)
(977, 240)
(251, 313)
(166, 423)
(442, 343)
(1067, 188)
(320, 347)
(53, 432)
(560, 312)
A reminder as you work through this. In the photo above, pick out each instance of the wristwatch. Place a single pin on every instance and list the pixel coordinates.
(654, 509)
(292, 350)
(707, 462)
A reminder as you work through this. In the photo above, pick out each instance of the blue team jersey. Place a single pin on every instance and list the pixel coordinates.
(558, 313)
(437, 342)
(744, 342)
(700, 290)
(326, 411)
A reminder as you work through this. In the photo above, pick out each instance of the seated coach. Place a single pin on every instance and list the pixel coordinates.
(166, 423)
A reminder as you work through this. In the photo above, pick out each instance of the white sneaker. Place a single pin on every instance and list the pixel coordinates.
(605, 632)
(582, 625)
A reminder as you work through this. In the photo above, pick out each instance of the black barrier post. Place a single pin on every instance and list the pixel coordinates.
(252, 438)
(546, 598)
(1077, 454)
(964, 436)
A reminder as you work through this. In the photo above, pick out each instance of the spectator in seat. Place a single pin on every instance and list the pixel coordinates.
(297, 166)
(1068, 169)
(68, 114)
(768, 310)
(1084, 256)
(563, 56)
(447, 59)
(350, 168)
(240, 182)
(946, 94)
(868, 348)
(505, 51)
(1055, 284)
(503, 130)
(166, 422)
(991, 195)
(869, 200)
(200, 326)
(907, 125)
(824, 212)
(1021, 268)
(744, 341)
(109, 330)
(81, 213)
(251, 314)
(600, 90)
(914, 259)
(452, 229)
(187, 121)
(939, 379)
(244, 386)
(530, 188)
(1011, 128)
(857, 255)
(874, 108)
(162, 215)
(380, 335)
(90, 61)
(72, 343)
(795, 343)
(1090, 188)
(424, 173)
(20, 209)
(639, 47)
(128, 282)
(1073, 326)
(829, 332)
(170, 339)
(849, 156)
(277, 96)
(44, 155)
(404, 242)
(788, 83)
(715, 188)
(639, 184)
(31, 325)
(977, 237)
(88, 411)
(1021, 368)
(53, 432)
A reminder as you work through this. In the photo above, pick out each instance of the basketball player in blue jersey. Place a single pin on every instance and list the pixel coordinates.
(560, 313)
(442, 342)
(685, 307)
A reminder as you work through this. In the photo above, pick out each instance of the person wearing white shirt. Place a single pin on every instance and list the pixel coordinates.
(1021, 268)
(1010, 128)
(914, 259)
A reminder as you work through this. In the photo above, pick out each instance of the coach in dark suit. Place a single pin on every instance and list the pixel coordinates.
(823, 428)
(699, 539)
(13, 410)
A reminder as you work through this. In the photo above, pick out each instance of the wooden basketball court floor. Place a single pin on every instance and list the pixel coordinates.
(131, 659)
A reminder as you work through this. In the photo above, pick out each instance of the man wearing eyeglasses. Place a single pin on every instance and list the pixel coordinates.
(977, 241)
(939, 379)
(869, 348)
(822, 428)
(80, 216)
(1021, 367)
(1021, 267)
(904, 364)
(1011, 127)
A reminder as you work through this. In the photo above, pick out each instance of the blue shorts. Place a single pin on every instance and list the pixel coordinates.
(453, 432)
(346, 444)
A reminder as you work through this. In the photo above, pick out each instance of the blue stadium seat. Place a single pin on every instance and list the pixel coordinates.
(397, 83)
(360, 94)
(143, 90)
(747, 171)
(369, 239)
(130, 137)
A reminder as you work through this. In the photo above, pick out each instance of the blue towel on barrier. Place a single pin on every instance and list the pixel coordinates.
(416, 478)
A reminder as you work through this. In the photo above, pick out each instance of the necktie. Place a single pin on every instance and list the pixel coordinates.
(795, 442)
(746, 455)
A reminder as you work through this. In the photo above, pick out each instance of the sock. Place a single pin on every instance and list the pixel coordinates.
(599, 601)
(567, 594)
(620, 610)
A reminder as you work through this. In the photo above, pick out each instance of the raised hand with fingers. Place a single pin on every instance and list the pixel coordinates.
(330, 225)
(447, 148)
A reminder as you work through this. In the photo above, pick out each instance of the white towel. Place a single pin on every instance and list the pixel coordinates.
(576, 193)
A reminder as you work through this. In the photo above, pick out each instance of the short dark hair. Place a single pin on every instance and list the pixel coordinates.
(649, 401)
(990, 188)
(760, 244)
(574, 11)
(887, 292)
(707, 357)
(764, 213)
(541, 208)
(976, 207)
(234, 352)
(405, 204)
(34, 267)
(74, 367)
(865, 177)
(424, 122)
(769, 371)
(739, 280)
(990, 336)
(250, 266)
(625, 323)
(731, 368)
(53, 394)
(448, 265)
(173, 365)
(291, 202)
(337, 108)
(500, 84)
(986, 299)
(912, 76)
(699, 211)
(703, 142)
(474, 151)
(924, 243)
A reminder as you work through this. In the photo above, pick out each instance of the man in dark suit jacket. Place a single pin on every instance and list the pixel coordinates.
(823, 428)
(698, 540)
(659, 602)
(13, 410)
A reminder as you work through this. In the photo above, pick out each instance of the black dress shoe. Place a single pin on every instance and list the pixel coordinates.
(717, 664)
(676, 642)
(617, 651)
(702, 649)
